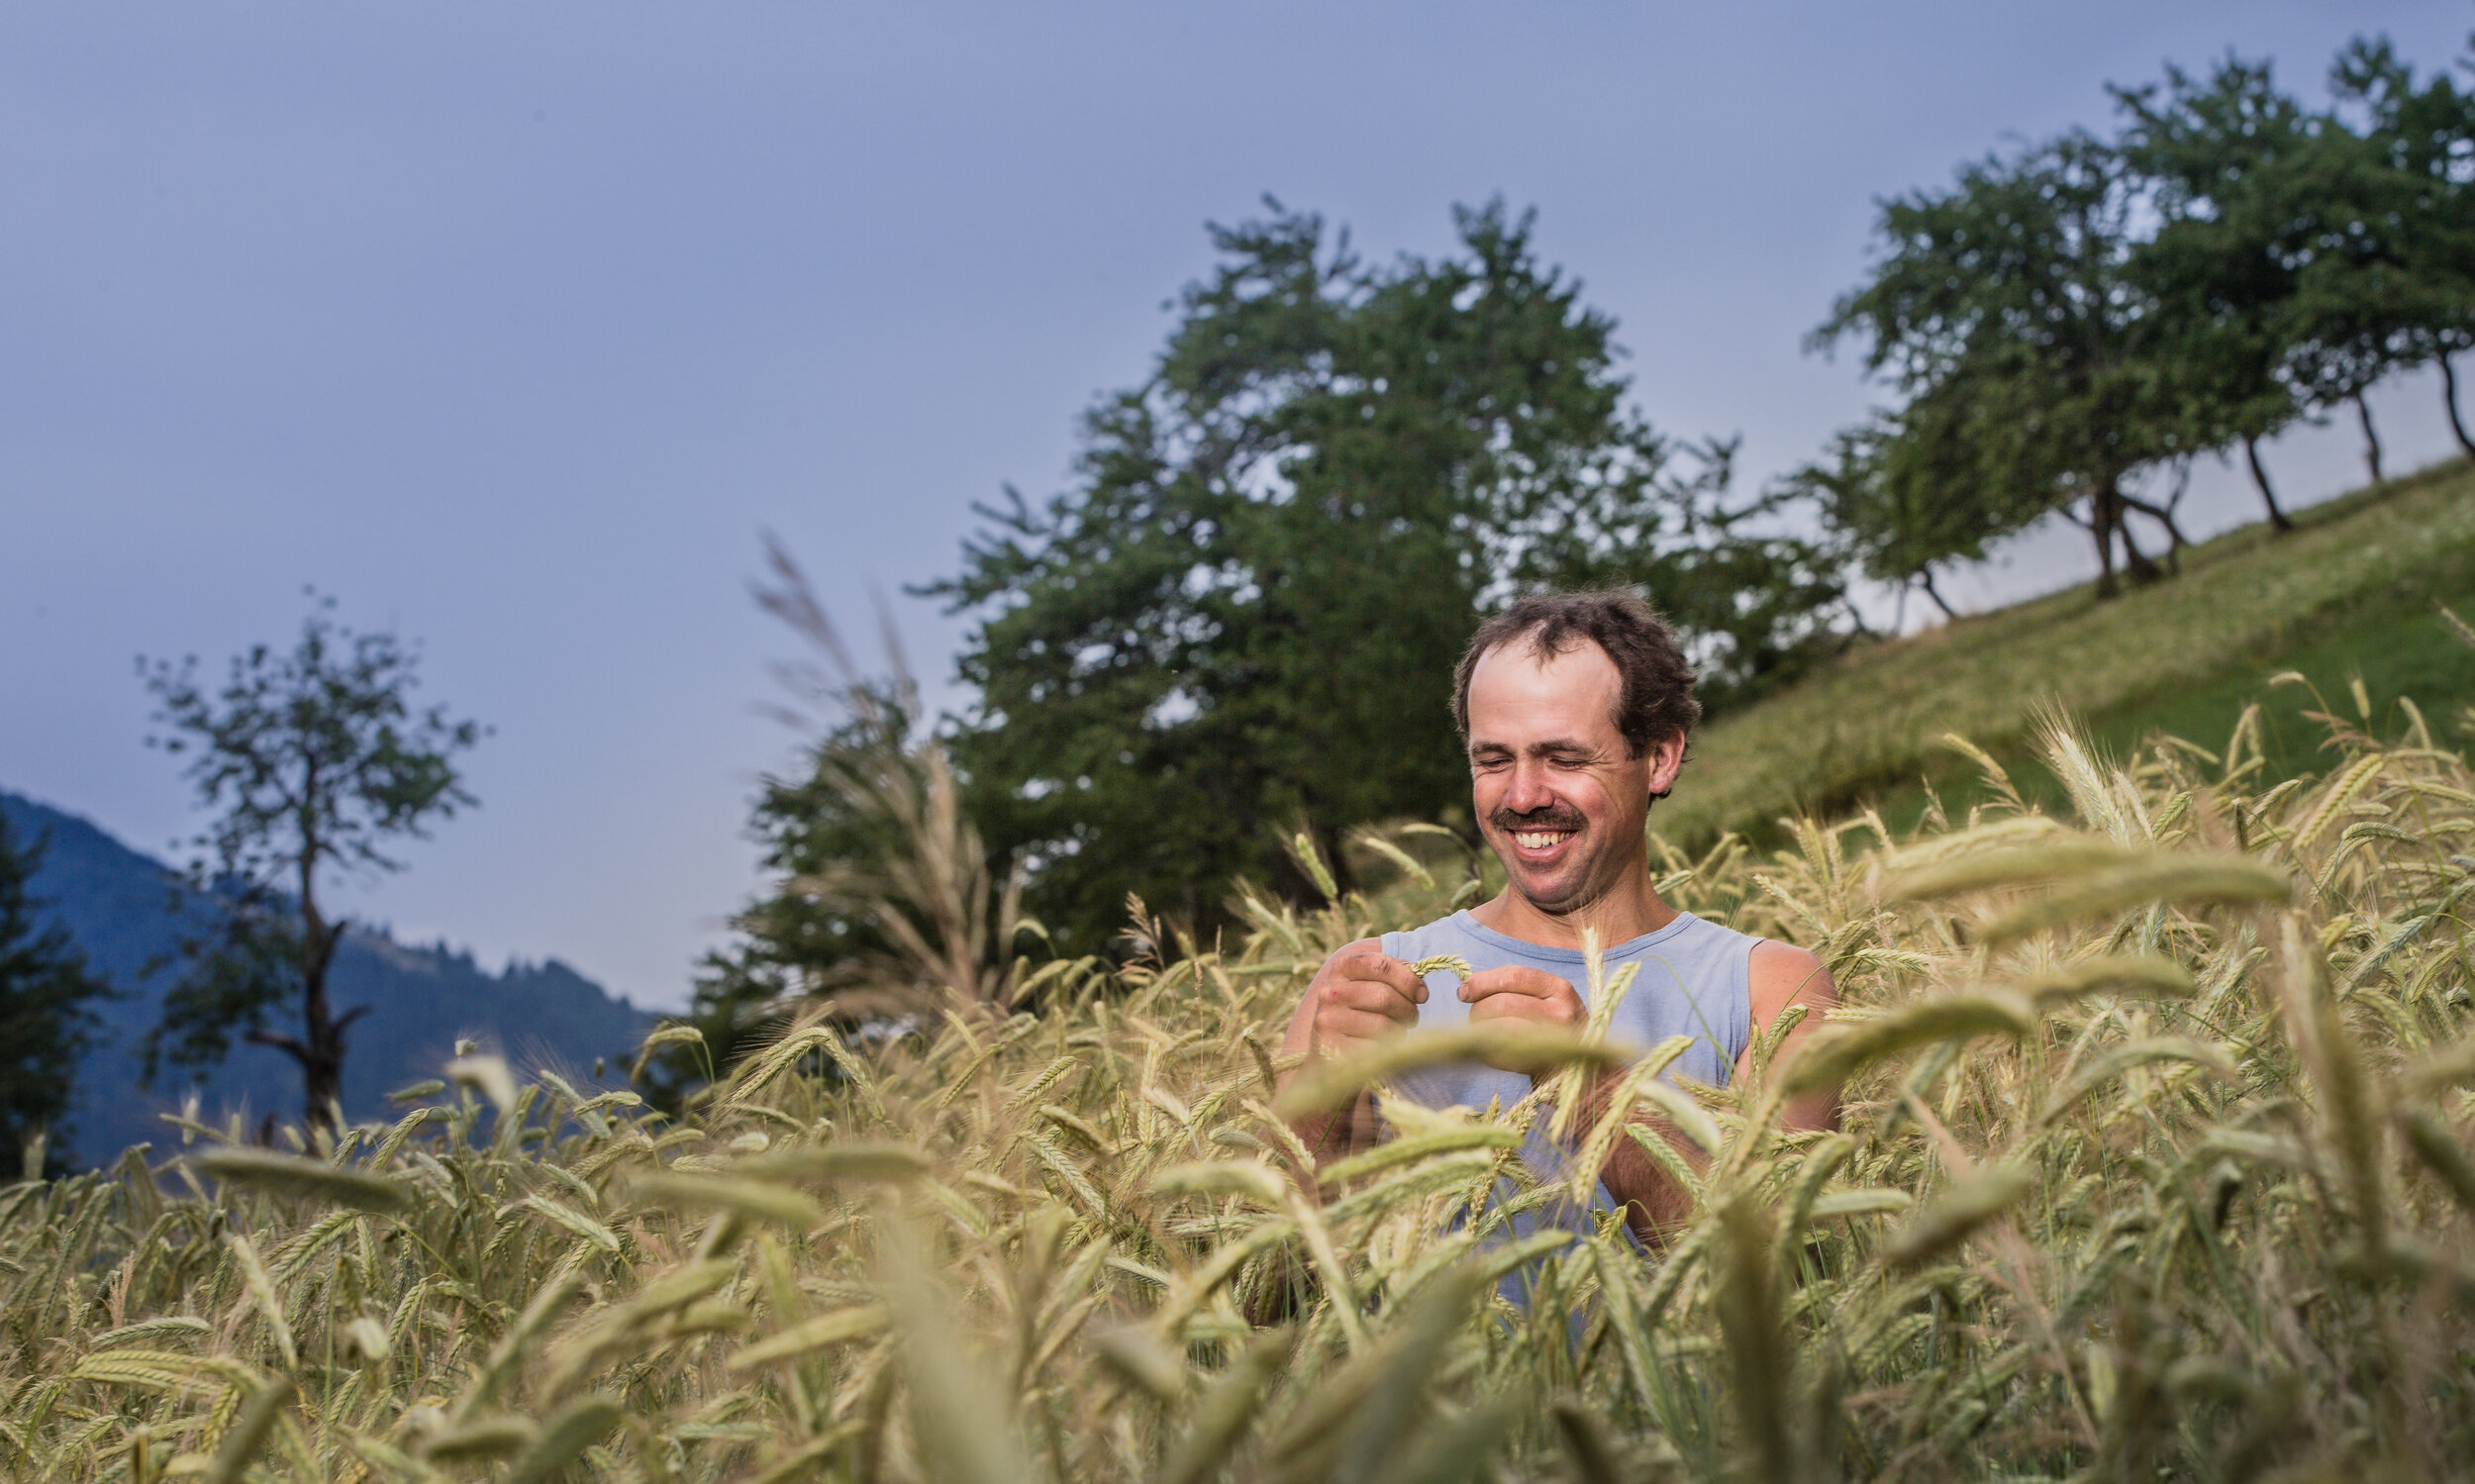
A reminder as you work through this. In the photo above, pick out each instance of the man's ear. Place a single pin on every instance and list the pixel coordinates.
(1662, 762)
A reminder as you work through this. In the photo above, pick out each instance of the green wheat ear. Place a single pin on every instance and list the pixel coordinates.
(1453, 962)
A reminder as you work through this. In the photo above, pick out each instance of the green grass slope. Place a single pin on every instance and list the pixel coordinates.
(2349, 595)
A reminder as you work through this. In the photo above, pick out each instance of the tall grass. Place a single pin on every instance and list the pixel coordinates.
(2155, 1164)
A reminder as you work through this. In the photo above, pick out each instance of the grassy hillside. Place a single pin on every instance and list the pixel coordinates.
(2350, 594)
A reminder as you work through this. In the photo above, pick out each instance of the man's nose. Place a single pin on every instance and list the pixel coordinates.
(1528, 789)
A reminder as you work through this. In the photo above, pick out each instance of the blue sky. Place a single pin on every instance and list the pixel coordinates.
(513, 326)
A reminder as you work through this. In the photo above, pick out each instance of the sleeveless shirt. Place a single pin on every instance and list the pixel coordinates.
(1694, 979)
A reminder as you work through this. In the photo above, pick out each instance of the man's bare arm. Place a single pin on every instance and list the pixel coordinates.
(1780, 976)
(1784, 975)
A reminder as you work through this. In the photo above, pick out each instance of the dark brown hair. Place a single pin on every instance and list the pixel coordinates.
(1656, 702)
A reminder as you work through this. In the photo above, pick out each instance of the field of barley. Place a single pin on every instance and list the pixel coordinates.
(2156, 1164)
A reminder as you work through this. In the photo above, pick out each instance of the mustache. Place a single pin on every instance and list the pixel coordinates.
(1552, 816)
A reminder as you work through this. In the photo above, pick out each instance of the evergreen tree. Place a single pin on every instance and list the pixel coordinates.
(45, 1023)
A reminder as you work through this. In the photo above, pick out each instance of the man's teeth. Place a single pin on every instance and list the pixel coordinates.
(1539, 840)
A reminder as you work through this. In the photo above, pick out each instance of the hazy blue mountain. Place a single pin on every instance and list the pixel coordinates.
(118, 904)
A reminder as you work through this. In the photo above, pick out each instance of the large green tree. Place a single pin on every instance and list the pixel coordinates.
(45, 1023)
(316, 762)
(2004, 310)
(1245, 612)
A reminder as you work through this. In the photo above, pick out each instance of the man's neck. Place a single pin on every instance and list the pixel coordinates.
(1632, 908)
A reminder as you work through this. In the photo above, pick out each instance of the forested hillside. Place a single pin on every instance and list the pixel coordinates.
(117, 905)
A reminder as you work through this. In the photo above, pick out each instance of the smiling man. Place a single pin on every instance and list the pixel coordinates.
(1575, 709)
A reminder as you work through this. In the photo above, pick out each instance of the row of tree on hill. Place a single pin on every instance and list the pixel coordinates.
(1241, 617)
(2068, 327)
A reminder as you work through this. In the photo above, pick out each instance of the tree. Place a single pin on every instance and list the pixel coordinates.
(2417, 149)
(2228, 162)
(1246, 613)
(1886, 492)
(45, 1023)
(317, 763)
(2005, 311)
(2380, 237)
(2355, 305)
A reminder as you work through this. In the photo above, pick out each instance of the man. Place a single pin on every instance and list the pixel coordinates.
(1575, 709)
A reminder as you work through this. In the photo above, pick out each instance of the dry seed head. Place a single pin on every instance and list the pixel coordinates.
(840, 1327)
(487, 1076)
(1842, 1049)
(294, 1175)
(759, 1199)
(1531, 1049)
(1958, 1212)
(2183, 879)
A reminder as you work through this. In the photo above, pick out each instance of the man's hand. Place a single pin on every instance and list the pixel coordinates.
(1360, 997)
(1516, 992)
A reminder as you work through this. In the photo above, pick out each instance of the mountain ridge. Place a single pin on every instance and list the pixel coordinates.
(118, 905)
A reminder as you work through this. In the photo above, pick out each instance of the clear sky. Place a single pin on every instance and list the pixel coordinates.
(513, 326)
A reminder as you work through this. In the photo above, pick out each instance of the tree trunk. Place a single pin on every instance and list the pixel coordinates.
(2371, 437)
(319, 1049)
(2102, 516)
(2449, 399)
(2163, 514)
(2135, 563)
(1924, 580)
(2268, 496)
(322, 1069)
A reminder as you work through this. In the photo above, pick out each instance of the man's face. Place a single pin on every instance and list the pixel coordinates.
(1561, 803)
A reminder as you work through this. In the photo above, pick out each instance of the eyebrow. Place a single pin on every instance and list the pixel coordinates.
(1545, 749)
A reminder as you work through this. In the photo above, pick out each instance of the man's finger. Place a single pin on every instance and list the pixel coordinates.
(1528, 1010)
(1508, 1007)
(1372, 996)
(1376, 966)
(1340, 1027)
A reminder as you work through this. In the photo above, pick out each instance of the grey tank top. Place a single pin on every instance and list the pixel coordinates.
(1693, 980)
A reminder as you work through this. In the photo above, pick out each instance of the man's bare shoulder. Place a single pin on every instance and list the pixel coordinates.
(1781, 974)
